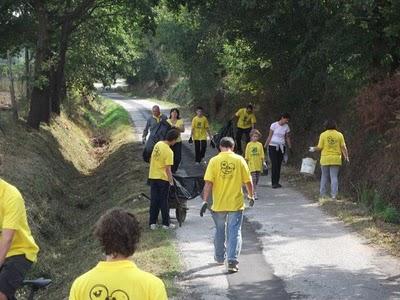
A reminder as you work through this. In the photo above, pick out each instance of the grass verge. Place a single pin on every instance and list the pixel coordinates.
(68, 181)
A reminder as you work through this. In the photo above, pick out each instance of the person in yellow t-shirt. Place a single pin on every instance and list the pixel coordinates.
(18, 249)
(160, 178)
(200, 129)
(254, 156)
(118, 232)
(176, 122)
(332, 146)
(225, 175)
(246, 121)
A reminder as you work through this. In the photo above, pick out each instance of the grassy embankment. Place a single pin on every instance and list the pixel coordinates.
(69, 178)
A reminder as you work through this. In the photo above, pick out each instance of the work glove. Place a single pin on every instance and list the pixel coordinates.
(251, 201)
(312, 149)
(203, 208)
(212, 143)
(190, 140)
(265, 169)
(144, 140)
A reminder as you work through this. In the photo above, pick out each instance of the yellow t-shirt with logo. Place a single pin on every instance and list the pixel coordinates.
(119, 280)
(254, 156)
(178, 125)
(245, 120)
(13, 216)
(228, 172)
(199, 128)
(331, 143)
(161, 157)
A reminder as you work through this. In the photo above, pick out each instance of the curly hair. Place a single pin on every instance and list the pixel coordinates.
(118, 232)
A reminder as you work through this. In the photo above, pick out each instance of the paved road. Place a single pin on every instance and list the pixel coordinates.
(291, 249)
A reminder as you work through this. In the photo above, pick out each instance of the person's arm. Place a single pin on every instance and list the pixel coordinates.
(253, 121)
(169, 174)
(288, 140)
(207, 190)
(249, 188)
(7, 236)
(271, 132)
(345, 153)
(182, 127)
(146, 129)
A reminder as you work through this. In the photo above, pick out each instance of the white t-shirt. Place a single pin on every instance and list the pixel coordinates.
(280, 131)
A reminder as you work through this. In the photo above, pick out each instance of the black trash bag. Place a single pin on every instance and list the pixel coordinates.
(227, 130)
(188, 187)
(158, 134)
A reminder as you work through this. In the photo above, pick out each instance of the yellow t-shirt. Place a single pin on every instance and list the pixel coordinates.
(331, 143)
(13, 216)
(255, 156)
(119, 280)
(178, 125)
(199, 128)
(161, 157)
(245, 120)
(228, 172)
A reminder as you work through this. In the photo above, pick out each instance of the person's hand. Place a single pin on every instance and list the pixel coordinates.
(312, 149)
(251, 200)
(144, 140)
(190, 140)
(347, 159)
(203, 208)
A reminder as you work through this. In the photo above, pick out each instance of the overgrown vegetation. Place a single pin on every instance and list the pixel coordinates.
(68, 181)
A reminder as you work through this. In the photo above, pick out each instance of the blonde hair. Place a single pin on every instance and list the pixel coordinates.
(255, 132)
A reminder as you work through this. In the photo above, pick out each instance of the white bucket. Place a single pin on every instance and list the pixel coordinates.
(308, 166)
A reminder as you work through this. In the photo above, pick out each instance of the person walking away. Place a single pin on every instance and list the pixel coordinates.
(332, 145)
(245, 123)
(160, 179)
(225, 175)
(118, 277)
(176, 122)
(277, 142)
(200, 129)
(153, 121)
(254, 156)
(18, 249)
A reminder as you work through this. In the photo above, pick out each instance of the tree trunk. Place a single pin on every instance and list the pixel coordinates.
(58, 85)
(27, 74)
(12, 90)
(40, 99)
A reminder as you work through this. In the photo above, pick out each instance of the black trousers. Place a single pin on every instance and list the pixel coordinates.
(239, 134)
(177, 149)
(200, 148)
(159, 192)
(12, 274)
(276, 157)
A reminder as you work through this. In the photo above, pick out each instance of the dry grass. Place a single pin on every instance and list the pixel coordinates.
(67, 184)
(358, 218)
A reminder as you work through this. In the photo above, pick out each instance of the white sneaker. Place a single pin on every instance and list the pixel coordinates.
(171, 226)
(153, 226)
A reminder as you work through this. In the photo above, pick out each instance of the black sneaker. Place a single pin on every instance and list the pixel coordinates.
(275, 186)
(232, 267)
(279, 186)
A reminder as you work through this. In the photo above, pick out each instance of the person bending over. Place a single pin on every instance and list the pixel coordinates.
(117, 277)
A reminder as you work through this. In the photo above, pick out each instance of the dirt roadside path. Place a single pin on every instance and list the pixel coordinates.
(291, 249)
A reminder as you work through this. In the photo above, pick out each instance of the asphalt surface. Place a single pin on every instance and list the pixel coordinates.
(291, 249)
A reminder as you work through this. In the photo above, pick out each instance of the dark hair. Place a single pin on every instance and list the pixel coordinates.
(172, 135)
(227, 142)
(177, 112)
(330, 124)
(285, 116)
(118, 232)
(250, 106)
(199, 107)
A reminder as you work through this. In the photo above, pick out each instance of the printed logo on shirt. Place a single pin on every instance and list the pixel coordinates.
(227, 169)
(101, 292)
(199, 124)
(156, 152)
(254, 151)
(332, 141)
